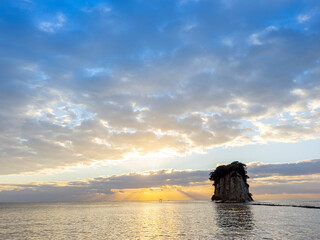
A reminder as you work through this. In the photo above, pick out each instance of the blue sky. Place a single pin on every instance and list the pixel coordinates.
(101, 88)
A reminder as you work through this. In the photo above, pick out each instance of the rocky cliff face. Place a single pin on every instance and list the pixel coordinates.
(230, 183)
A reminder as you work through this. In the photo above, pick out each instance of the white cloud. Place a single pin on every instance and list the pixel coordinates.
(91, 72)
(54, 25)
(182, 2)
(102, 8)
(256, 38)
(303, 18)
(228, 42)
(117, 79)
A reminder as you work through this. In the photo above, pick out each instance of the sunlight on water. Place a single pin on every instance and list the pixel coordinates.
(155, 220)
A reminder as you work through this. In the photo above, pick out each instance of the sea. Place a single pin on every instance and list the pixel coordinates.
(272, 219)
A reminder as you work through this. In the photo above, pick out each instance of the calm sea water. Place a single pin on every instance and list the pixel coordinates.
(155, 220)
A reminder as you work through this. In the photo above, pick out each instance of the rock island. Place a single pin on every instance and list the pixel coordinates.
(230, 182)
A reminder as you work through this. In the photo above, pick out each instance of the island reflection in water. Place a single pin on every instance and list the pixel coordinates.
(234, 219)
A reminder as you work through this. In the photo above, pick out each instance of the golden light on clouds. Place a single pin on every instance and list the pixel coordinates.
(165, 193)
(268, 181)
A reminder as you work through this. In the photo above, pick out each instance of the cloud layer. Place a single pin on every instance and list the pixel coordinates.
(194, 184)
(258, 169)
(84, 82)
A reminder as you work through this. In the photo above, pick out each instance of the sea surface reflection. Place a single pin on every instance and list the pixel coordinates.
(155, 220)
(234, 217)
(234, 220)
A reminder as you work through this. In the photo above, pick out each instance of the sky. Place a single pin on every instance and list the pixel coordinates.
(140, 100)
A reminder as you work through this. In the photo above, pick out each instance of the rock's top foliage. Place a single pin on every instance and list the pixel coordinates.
(223, 170)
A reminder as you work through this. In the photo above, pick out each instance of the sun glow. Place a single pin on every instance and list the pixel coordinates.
(165, 193)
